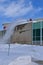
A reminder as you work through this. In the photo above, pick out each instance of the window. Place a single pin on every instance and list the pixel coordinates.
(34, 38)
(37, 38)
(42, 38)
(42, 24)
(36, 25)
(36, 34)
(33, 32)
(42, 33)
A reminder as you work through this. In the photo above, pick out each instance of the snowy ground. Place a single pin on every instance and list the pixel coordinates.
(19, 50)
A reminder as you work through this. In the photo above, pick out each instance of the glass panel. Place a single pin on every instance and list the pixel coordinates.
(33, 32)
(33, 25)
(37, 38)
(36, 25)
(34, 38)
(37, 32)
(42, 32)
(42, 24)
(42, 38)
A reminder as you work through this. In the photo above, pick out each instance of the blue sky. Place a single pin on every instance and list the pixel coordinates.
(11, 10)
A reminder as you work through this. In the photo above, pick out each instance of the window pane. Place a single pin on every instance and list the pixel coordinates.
(42, 24)
(33, 25)
(42, 32)
(33, 32)
(37, 38)
(37, 32)
(34, 38)
(42, 38)
(36, 25)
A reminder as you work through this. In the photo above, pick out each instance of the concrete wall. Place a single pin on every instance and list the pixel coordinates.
(25, 36)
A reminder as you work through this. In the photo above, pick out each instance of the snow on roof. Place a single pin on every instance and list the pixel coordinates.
(19, 22)
(34, 21)
(22, 22)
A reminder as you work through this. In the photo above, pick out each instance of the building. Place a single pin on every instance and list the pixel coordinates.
(30, 32)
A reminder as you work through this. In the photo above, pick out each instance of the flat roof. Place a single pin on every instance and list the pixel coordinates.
(23, 21)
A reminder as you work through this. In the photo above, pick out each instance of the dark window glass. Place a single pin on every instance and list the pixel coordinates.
(33, 32)
(42, 38)
(37, 38)
(42, 32)
(34, 38)
(37, 32)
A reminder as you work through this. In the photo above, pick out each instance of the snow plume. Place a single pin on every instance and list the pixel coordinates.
(23, 60)
(9, 32)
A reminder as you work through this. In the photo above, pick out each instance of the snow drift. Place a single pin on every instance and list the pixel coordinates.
(23, 60)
